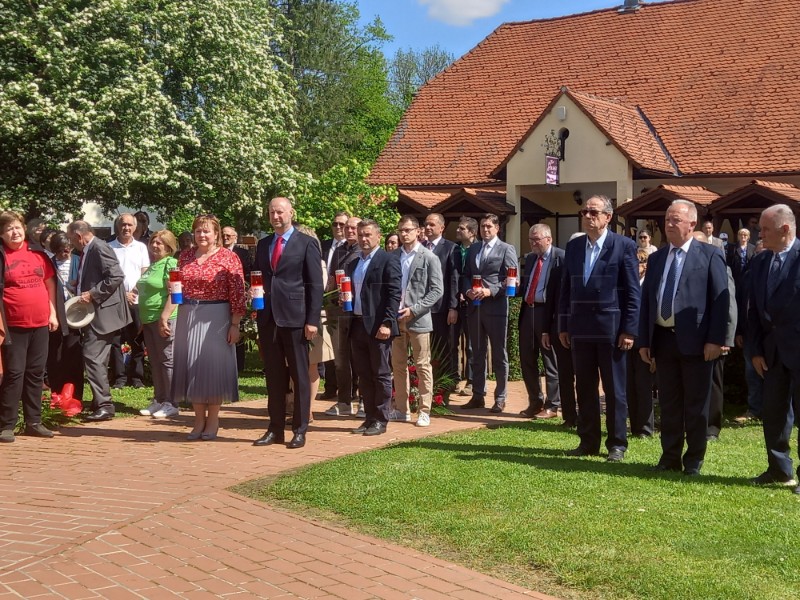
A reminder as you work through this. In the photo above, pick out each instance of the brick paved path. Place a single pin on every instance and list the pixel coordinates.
(129, 509)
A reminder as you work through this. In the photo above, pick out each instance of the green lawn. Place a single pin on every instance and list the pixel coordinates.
(508, 502)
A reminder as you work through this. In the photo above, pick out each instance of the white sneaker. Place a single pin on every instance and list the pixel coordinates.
(154, 407)
(361, 414)
(338, 410)
(166, 410)
(396, 415)
(423, 420)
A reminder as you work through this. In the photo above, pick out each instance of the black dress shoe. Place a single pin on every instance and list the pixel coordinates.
(662, 467)
(579, 451)
(531, 411)
(616, 455)
(361, 428)
(569, 425)
(475, 402)
(38, 430)
(327, 395)
(101, 414)
(137, 383)
(118, 385)
(298, 441)
(498, 407)
(691, 472)
(376, 428)
(268, 439)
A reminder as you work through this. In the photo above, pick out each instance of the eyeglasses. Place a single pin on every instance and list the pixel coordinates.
(642, 237)
(536, 240)
(585, 212)
(338, 224)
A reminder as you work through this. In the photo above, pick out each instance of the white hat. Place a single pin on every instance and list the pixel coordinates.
(79, 314)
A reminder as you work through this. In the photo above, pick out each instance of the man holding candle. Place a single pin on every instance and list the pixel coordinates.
(494, 262)
(290, 264)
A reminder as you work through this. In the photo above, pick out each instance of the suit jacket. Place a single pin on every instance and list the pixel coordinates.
(493, 272)
(702, 299)
(715, 241)
(102, 277)
(380, 292)
(552, 286)
(608, 304)
(734, 259)
(424, 288)
(773, 326)
(244, 256)
(293, 292)
(449, 256)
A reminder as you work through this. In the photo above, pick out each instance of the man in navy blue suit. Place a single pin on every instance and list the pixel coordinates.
(684, 318)
(598, 315)
(291, 264)
(376, 278)
(772, 336)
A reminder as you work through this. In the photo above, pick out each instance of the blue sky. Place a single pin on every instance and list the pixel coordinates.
(459, 25)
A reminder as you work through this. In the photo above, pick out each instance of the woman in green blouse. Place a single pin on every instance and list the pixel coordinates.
(158, 316)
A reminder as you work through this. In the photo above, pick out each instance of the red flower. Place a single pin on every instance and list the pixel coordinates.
(411, 398)
(438, 400)
(412, 369)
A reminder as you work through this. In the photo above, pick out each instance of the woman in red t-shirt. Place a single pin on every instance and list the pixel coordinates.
(29, 300)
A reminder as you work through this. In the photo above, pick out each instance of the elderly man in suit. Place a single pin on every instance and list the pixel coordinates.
(539, 280)
(420, 290)
(376, 279)
(483, 283)
(599, 311)
(773, 331)
(684, 317)
(100, 282)
(291, 265)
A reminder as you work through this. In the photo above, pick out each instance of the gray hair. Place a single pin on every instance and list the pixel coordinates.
(370, 223)
(608, 206)
(690, 206)
(782, 215)
(542, 229)
(79, 227)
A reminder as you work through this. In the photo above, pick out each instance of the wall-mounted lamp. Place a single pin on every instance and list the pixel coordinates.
(576, 195)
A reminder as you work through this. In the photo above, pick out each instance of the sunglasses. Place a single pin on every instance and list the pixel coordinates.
(590, 212)
(335, 224)
(642, 237)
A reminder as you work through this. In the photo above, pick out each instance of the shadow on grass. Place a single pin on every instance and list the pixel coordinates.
(553, 459)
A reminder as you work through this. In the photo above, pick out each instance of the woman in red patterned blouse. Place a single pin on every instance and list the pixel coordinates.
(208, 327)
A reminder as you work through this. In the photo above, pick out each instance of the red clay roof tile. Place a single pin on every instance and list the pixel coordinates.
(719, 81)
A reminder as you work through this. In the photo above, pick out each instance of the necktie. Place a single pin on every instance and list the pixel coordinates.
(537, 271)
(484, 253)
(669, 286)
(429, 245)
(774, 277)
(276, 253)
(587, 268)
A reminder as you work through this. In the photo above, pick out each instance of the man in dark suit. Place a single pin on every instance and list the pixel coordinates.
(487, 313)
(445, 311)
(598, 314)
(100, 280)
(291, 265)
(773, 331)
(684, 317)
(376, 278)
(328, 368)
(542, 269)
(343, 256)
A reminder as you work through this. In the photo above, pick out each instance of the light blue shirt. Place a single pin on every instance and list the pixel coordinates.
(547, 257)
(681, 258)
(358, 279)
(285, 235)
(592, 252)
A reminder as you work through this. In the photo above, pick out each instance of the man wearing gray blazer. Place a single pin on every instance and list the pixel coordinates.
(487, 312)
(420, 288)
(100, 281)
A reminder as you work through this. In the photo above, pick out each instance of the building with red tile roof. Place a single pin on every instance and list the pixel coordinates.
(688, 92)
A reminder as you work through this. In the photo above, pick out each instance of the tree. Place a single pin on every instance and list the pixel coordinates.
(409, 70)
(158, 103)
(343, 188)
(341, 77)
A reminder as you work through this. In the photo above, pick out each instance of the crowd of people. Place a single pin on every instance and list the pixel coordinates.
(605, 311)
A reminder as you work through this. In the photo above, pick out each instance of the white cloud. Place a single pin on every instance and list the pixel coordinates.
(461, 12)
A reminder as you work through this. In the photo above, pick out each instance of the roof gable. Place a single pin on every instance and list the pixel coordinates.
(718, 80)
